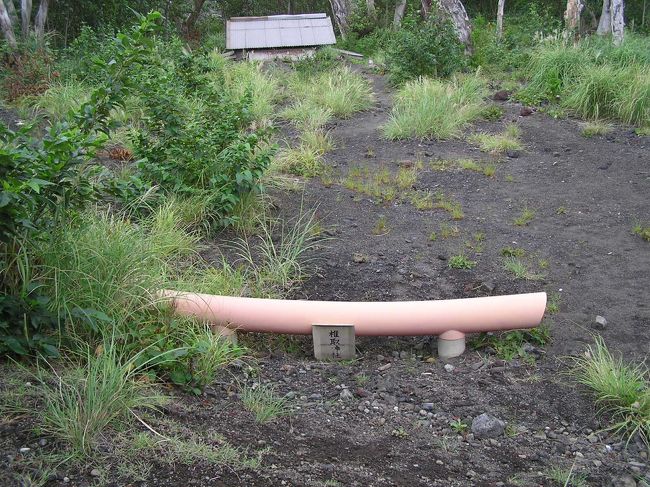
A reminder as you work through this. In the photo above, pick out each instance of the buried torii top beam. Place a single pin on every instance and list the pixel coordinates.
(407, 318)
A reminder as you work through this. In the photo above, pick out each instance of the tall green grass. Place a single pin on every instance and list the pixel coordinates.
(58, 100)
(621, 390)
(431, 108)
(340, 92)
(594, 79)
(99, 390)
(264, 88)
(107, 264)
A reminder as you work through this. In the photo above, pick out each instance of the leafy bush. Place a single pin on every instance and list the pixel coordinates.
(193, 137)
(428, 48)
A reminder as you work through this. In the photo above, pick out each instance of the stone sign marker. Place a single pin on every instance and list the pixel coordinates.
(333, 342)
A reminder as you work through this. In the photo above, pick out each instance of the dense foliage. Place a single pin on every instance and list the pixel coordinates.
(424, 48)
(188, 138)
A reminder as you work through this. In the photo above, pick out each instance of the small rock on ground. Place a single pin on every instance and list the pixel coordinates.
(487, 426)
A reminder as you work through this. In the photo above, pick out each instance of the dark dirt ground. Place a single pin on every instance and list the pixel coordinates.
(395, 429)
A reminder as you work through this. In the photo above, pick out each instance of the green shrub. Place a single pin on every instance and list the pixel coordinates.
(43, 179)
(428, 48)
(426, 108)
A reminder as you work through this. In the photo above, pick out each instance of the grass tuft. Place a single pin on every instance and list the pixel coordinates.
(621, 390)
(595, 128)
(262, 401)
(83, 401)
(336, 93)
(517, 267)
(430, 108)
(527, 215)
(500, 143)
(461, 262)
(642, 231)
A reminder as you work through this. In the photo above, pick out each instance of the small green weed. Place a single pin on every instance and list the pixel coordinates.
(261, 400)
(421, 200)
(513, 252)
(517, 267)
(501, 143)
(461, 262)
(381, 227)
(459, 426)
(399, 433)
(595, 128)
(642, 231)
(510, 345)
(525, 217)
(553, 304)
(564, 477)
(449, 231)
(449, 205)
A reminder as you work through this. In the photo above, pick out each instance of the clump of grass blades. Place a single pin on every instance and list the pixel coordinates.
(340, 91)
(552, 68)
(499, 143)
(595, 128)
(85, 400)
(594, 79)
(307, 115)
(261, 400)
(317, 141)
(621, 390)
(517, 267)
(243, 77)
(642, 231)
(429, 108)
(59, 100)
(301, 161)
(277, 262)
(104, 263)
(610, 91)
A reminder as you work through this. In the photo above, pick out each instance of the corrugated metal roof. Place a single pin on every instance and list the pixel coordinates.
(279, 31)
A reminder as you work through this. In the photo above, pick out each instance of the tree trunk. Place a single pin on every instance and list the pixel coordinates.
(39, 21)
(399, 13)
(605, 22)
(5, 25)
(618, 21)
(572, 18)
(371, 9)
(500, 8)
(190, 21)
(341, 9)
(25, 15)
(11, 10)
(458, 15)
(426, 8)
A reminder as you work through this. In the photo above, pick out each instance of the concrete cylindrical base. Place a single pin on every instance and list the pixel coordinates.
(225, 332)
(451, 344)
